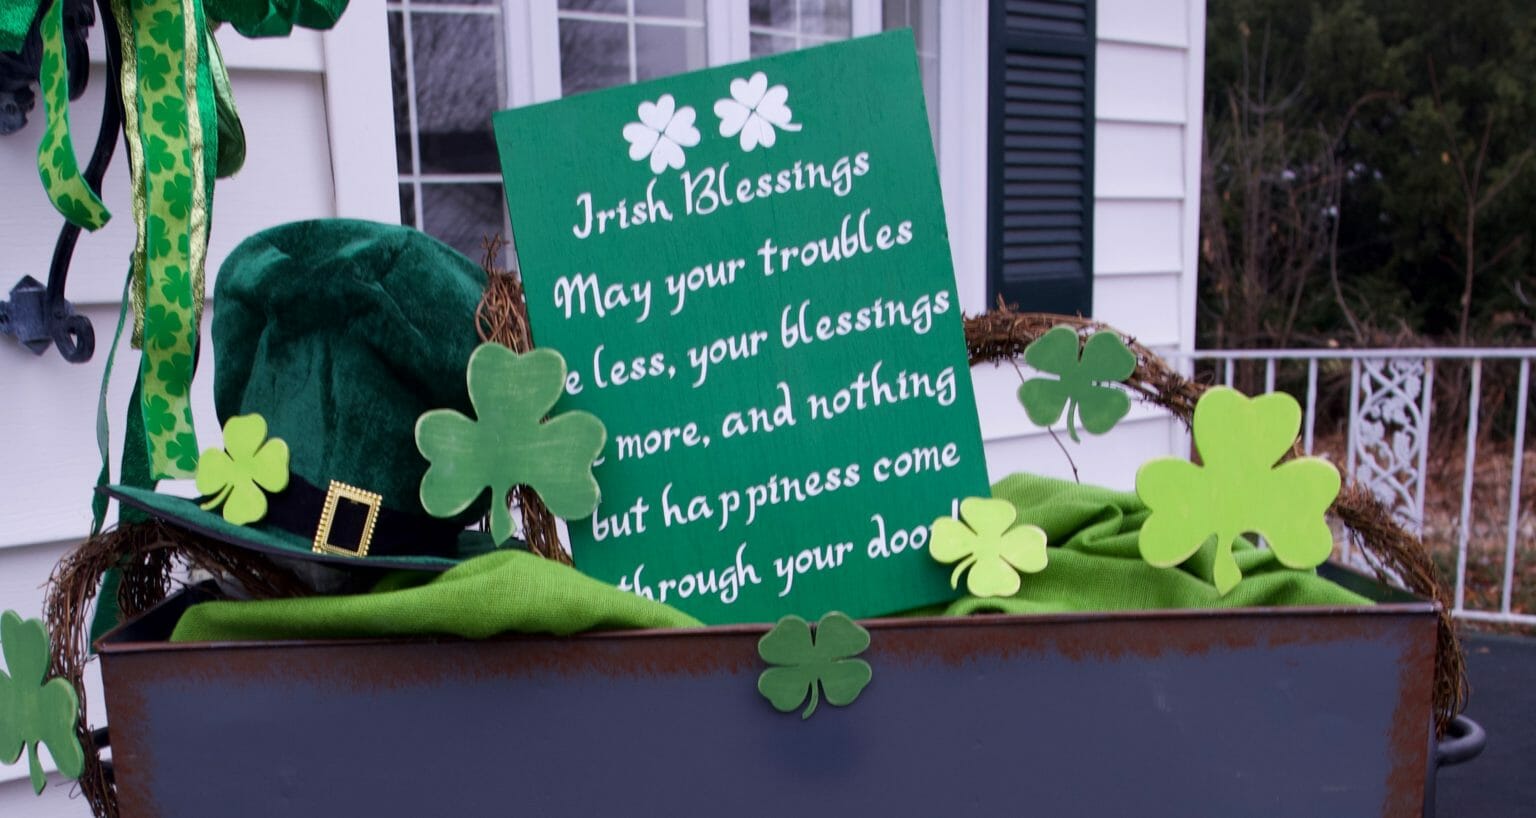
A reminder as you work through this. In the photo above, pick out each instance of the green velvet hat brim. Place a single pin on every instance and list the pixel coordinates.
(186, 514)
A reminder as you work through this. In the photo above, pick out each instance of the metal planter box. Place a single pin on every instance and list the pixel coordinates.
(1253, 712)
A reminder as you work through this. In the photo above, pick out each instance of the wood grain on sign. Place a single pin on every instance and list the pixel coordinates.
(748, 272)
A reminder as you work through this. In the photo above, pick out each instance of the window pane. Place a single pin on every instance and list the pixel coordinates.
(458, 65)
(922, 16)
(407, 205)
(765, 44)
(826, 17)
(772, 14)
(401, 92)
(691, 9)
(604, 6)
(592, 55)
(463, 215)
(664, 50)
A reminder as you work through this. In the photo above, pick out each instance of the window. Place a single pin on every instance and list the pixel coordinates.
(612, 42)
(1040, 163)
(454, 62)
(449, 72)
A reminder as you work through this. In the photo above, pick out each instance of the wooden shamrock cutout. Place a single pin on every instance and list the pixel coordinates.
(237, 474)
(1103, 358)
(989, 545)
(33, 711)
(803, 662)
(510, 444)
(1239, 489)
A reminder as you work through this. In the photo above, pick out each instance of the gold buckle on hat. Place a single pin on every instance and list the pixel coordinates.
(334, 494)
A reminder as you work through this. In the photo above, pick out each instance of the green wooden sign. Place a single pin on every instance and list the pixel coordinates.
(747, 270)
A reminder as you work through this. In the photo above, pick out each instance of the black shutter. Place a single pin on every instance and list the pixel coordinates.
(1040, 155)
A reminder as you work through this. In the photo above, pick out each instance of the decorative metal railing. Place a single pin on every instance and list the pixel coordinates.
(1387, 441)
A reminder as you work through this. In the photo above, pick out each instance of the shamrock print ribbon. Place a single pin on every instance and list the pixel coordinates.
(182, 131)
(56, 162)
(168, 86)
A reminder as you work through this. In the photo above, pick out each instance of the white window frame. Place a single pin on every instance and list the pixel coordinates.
(357, 57)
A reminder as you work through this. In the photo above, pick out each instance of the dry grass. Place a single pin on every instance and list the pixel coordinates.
(1488, 522)
(1488, 525)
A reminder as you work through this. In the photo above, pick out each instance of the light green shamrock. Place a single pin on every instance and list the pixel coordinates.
(511, 444)
(1103, 358)
(33, 711)
(802, 662)
(1239, 489)
(990, 545)
(237, 474)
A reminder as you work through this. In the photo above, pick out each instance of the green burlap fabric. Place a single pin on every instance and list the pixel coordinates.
(1096, 567)
(501, 592)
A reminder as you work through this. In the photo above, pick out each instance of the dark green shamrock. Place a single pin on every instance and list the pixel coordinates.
(1104, 358)
(183, 450)
(178, 195)
(157, 415)
(157, 239)
(59, 157)
(78, 212)
(511, 443)
(177, 287)
(171, 113)
(158, 156)
(803, 662)
(34, 711)
(167, 326)
(167, 29)
(154, 68)
(176, 374)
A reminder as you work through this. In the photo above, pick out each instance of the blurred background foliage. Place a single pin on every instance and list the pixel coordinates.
(1369, 174)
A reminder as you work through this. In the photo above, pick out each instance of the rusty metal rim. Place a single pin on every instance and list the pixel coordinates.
(107, 645)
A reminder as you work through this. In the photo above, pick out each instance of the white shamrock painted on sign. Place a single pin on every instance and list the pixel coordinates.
(662, 132)
(754, 111)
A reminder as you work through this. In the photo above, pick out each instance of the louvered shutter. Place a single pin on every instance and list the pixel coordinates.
(1040, 155)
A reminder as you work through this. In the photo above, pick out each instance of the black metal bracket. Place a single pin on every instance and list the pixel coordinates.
(35, 322)
(38, 315)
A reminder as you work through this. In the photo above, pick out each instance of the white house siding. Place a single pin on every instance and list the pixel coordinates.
(1146, 219)
(308, 121)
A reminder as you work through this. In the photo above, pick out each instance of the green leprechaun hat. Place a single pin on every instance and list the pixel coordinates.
(337, 335)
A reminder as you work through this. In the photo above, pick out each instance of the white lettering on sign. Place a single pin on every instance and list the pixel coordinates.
(622, 214)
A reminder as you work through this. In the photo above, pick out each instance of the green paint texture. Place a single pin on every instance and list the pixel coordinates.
(1078, 391)
(35, 710)
(804, 666)
(509, 442)
(748, 272)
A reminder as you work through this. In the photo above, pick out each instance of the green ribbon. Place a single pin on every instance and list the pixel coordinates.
(166, 78)
(183, 130)
(231, 132)
(56, 162)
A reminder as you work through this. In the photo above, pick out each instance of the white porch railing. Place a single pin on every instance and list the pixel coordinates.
(1387, 447)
